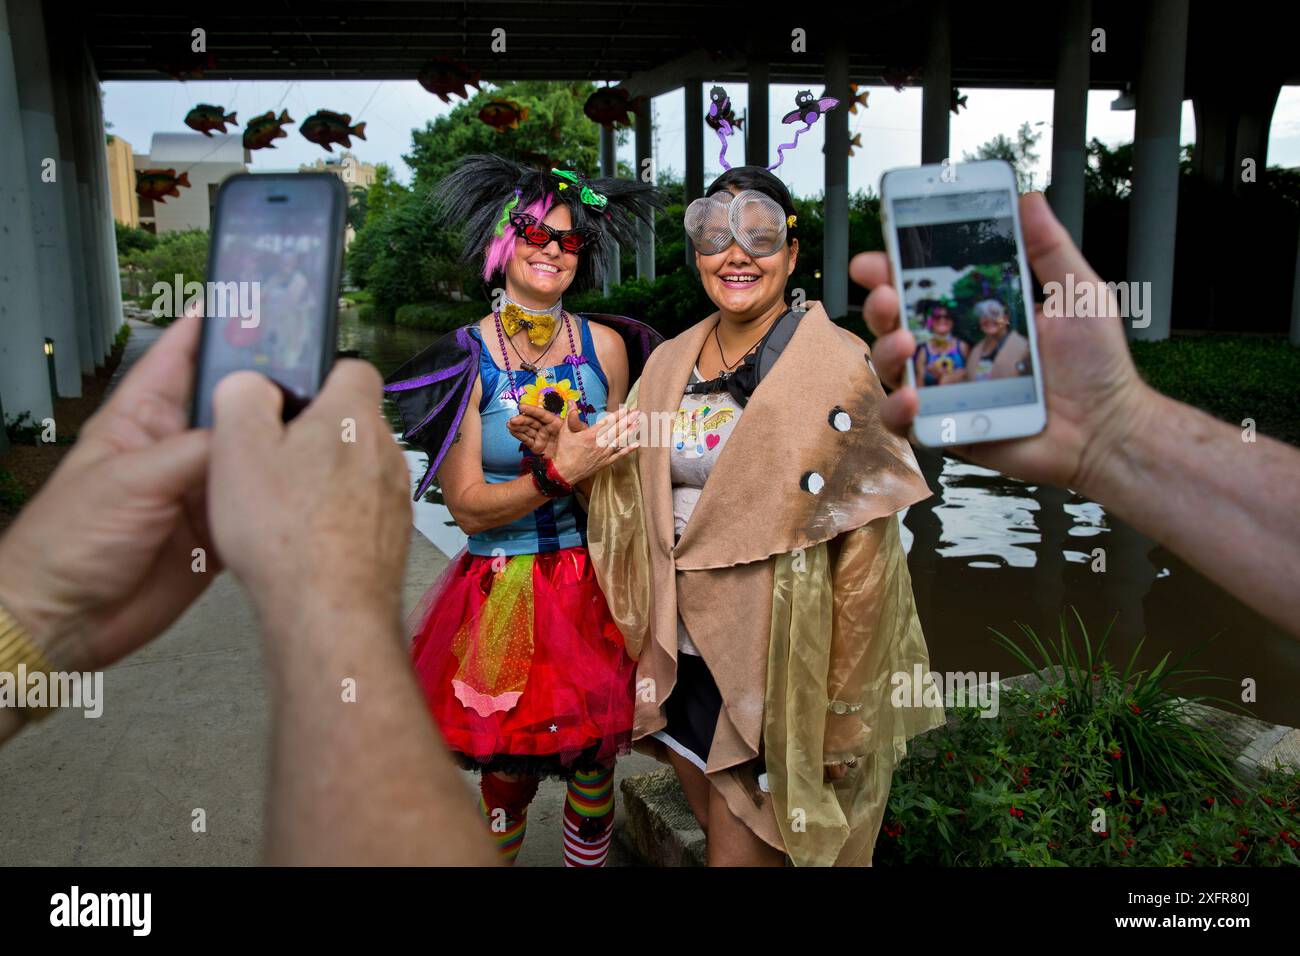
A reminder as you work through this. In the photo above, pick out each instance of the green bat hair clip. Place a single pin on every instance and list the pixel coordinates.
(588, 195)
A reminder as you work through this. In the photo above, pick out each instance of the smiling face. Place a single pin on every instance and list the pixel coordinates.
(744, 286)
(993, 323)
(940, 322)
(537, 276)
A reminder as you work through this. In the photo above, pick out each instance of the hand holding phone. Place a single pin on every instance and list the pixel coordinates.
(953, 237)
(1092, 390)
(271, 301)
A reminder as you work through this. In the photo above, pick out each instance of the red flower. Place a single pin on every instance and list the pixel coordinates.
(1209, 801)
(1135, 708)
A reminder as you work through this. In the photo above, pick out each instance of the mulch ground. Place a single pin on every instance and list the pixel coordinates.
(31, 465)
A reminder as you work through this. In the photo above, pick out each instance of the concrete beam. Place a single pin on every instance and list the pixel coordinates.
(693, 187)
(1153, 209)
(1070, 116)
(669, 76)
(757, 144)
(24, 377)
(609, 167)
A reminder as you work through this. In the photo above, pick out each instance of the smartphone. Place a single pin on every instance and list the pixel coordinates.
(271, 300)
(953, 236)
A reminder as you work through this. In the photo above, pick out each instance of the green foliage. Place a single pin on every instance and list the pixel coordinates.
(123, 334)
(132, 239)
(556, 128)
(440, 317)
(1230, 377)
(1094, 767)
(1019, 152)
(176, 253)
(375, 313)
(671, 304)
(12, 495)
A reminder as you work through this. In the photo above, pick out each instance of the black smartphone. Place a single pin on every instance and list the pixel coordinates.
(271, 300)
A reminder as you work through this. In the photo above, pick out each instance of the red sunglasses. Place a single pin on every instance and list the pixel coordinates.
(539, 234)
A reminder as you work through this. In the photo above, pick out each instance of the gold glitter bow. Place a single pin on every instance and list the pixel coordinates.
(540, 325)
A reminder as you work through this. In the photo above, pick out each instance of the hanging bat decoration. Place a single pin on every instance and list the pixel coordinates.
(324, 127)
(204, 118)
(154, 184)
(612, 107)
(722, 120)
(958, 101)
(445, 77)
(807, 110)
(261, 130)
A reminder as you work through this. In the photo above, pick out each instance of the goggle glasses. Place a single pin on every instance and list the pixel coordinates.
(540, 234)
(753, 221)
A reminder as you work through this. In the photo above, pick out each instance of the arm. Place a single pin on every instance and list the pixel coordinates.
(316, 528)
(1229, 508)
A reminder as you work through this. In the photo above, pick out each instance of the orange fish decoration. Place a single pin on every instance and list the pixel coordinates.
(180, 62)
(611, 107)
(204, 118)
(324, 127)
(444, 77)
(154, 184)
(502, 115)
(855, 141)
(261, 130)
(857, 99)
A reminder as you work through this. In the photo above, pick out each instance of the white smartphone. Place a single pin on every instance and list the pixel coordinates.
(952, 232)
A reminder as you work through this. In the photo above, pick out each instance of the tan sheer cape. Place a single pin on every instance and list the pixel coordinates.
(795, 591)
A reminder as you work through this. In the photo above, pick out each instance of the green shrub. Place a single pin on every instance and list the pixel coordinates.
(176, 253)
(12, 496)
(440, 317)
(375, 314)
(1096, 766)
(1232, 377)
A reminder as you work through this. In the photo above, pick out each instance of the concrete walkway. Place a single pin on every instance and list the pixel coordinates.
(186, 726)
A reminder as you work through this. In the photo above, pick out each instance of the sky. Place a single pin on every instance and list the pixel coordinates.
(890, 126)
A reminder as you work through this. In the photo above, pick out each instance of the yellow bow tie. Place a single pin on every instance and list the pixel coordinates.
(540, 325)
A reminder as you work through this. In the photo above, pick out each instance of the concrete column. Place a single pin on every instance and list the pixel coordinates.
(1295, 298)
(645, 239)
(609, 167)
(936, 86)
(49, 220)
(70, 65)
(24, 379)
(103, 198)
(693, 187)
(1070, 116)
(756, 135)
(835, 243)
(1153, 209)
(67, 166)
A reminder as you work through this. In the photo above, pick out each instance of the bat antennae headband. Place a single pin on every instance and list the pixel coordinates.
(755, 222)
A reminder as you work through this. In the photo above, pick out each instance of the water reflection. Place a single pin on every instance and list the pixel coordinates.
(986, 551)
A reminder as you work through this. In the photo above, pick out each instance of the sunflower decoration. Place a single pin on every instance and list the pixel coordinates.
(557, 397)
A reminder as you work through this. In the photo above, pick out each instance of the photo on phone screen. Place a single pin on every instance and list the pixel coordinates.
(963, 300)
(272, 295)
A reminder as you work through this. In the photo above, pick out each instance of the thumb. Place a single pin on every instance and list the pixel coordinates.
(169, 469)
(576, 424)
(246, 409)
(1051, 252)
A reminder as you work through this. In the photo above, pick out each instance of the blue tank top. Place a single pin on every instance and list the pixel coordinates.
(561, 522)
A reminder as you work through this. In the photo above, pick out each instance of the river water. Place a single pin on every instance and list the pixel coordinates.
(987, 551)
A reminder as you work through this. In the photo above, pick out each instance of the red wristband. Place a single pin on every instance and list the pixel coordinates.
(553, 473)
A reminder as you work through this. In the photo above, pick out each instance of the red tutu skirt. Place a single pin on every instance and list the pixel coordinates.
(522, 665)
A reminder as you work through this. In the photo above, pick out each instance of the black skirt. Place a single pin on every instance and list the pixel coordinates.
(692, 711)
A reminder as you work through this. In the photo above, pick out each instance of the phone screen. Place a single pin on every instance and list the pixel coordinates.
(271, 297)
(964, 300)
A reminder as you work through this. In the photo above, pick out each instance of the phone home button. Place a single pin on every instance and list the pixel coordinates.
(979, 425)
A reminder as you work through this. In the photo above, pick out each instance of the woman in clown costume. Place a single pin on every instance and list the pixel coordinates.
(524, 670)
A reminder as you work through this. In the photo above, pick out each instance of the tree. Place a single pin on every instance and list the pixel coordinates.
(556, 131)
(1018, 152)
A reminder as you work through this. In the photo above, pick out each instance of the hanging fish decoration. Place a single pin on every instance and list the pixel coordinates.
(154, 184)
(261, 130)
(857, 99)
(502, 115)
(611, 107)
(324, 127)
(204, 118)
(855, 141)
(444, 77)
(958, 101)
